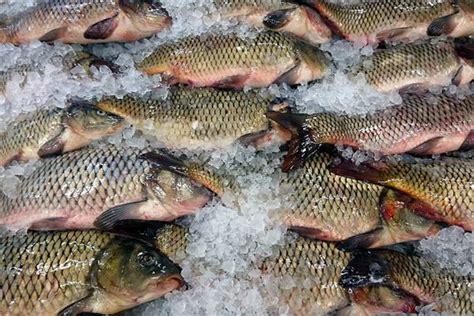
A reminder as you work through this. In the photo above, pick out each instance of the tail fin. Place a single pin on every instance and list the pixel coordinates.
(364, 269)
(400, 224)
(302, 145)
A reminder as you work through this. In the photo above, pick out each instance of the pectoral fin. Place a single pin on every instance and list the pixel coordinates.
(52, 147)
(278, 18)
(398, 34)
(107, 219)
(443, 25)
(54, 35)
(102, 29)
(237, 81)
(77, 307)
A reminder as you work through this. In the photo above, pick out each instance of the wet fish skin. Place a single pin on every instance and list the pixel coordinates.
(415, 67)
(442, 189)
(282, 16)
(421, 127)
(412, 274)
(85, 21)
(233, 62)
(52, 131)
(96, 187)
(371, 22)
(45, 273)
(199, 118)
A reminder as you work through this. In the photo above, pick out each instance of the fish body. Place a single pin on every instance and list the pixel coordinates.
(442, 189)
(369, 22)
(413, 274)
(96, 187)
(282, 16)
(421, 128)
(234, 62)
(333, 208)
(415, 67)
(48, 132)
(85, 21)
(45, 273)
(201, 118)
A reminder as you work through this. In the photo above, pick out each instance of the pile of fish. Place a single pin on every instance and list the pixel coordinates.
(90, 229)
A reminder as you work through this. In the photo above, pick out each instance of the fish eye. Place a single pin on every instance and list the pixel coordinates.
(146, 259)
(101, 113)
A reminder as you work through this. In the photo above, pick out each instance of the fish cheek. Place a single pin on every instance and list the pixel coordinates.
(102, 29)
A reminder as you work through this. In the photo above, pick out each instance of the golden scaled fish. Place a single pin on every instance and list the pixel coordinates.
(97, 187)
(278, 15)
(421, 128)
(85, 21)
(373, 21)
(442, 189)
(200, 118)
(49, 132)
(333, 208)
(233, 62)
(316, 267)
(415, 67)
(412, 274)
(72, 272)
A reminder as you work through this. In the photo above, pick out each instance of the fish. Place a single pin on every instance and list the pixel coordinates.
(97, 187)
(69, 61)
(333, 208)
(200, 118)
(72, 272)
(277, 15)
(371, 22)
(442, 189)
(421, 128)
(316, 267)
(412, 274)
(85, 21)
(413, 68)
(229, 61)
(457, 24)
(48, 132)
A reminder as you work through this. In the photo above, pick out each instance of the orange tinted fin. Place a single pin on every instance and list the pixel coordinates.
(54, 35)
(102, 29)
(367, 172)
(443, 25)
(301, 145)
(237, 81)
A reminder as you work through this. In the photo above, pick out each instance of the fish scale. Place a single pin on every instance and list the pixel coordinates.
(195, 118)
(329, 206)
(367, 21)
(231, 61)
(417, 64)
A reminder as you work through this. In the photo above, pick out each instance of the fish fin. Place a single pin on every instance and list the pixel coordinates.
(443, 25)
(77, 307)
(302, 145)
(425, 147)
(278, 18)
(290, 76)
(165, 162)
(49, 223)
(426, 210)
(464, 48)
(364, 269)
(361, 241)
(256, 139)
(107, 219)
(367, 172)
(382, 299)
(237, 81)
(415, 88)
(308, 232)
(138, 229)
(54, 35)
(102, 29)
(397, 34)
(52, 147)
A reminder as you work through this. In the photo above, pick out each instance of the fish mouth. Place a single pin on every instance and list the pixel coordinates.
(160, 288)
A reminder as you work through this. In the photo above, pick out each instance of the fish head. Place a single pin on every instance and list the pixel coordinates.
(314, 63)
(91, 122)
(130, 273)
(383, 299)
(178, 195)
(148, 16)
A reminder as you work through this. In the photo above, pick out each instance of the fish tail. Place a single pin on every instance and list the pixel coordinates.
(366, 268)
(302, 145)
